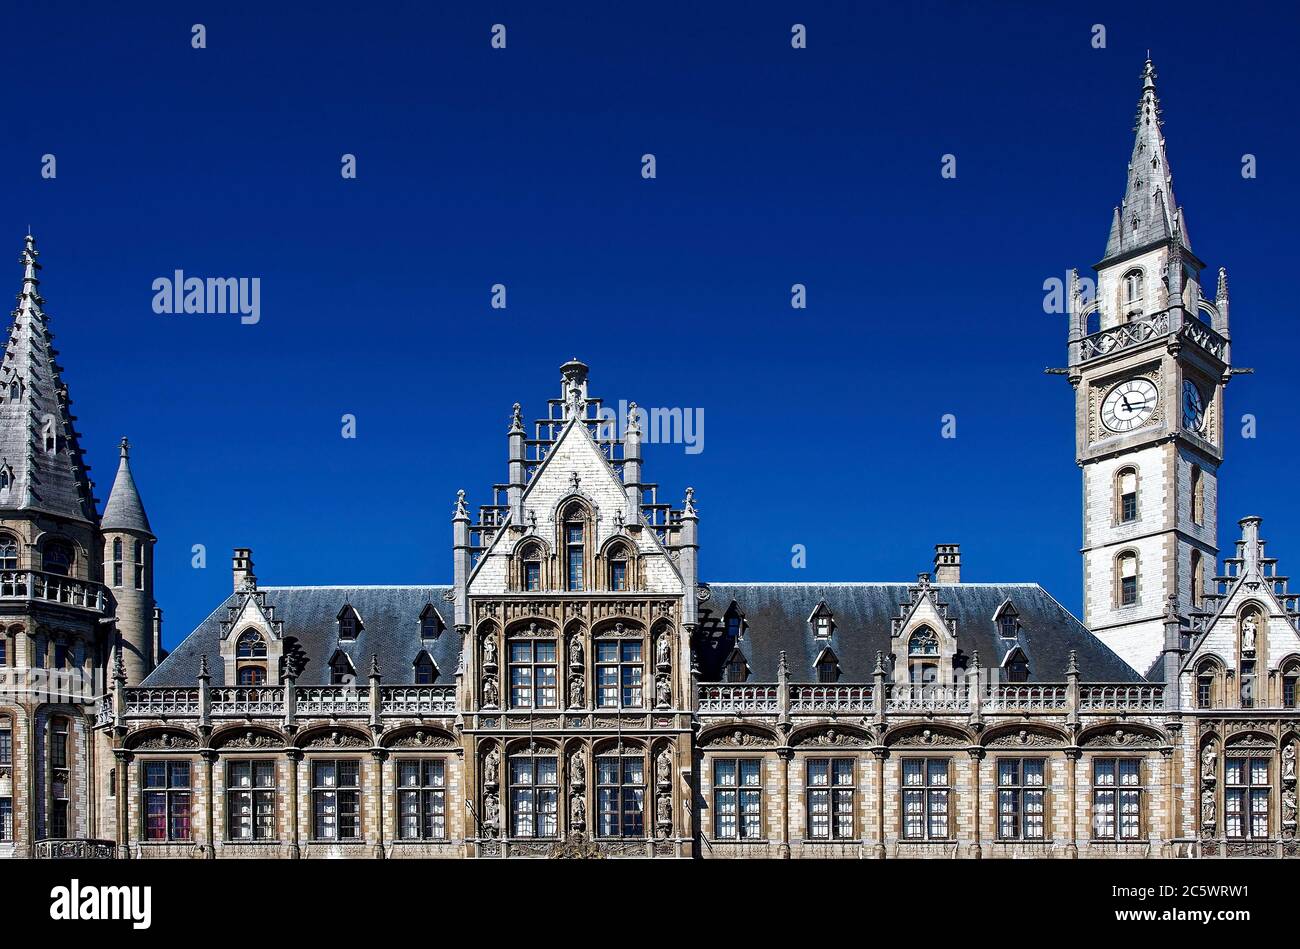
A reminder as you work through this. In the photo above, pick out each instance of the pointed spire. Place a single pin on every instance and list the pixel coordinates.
(36, 432)
(1147, 215)
(124, 510)
(1221, 292)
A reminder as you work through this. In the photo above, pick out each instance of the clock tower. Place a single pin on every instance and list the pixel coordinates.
(1149, 357)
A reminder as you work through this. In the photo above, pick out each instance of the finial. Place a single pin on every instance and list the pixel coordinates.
(880, 664)
(203, 666)
(461, 509)
(517, 420)
(688, 507)
(124, 448)
(782, 668)
(374, 665)
(975, 658)
(633, 425)
(1072, 664)
(1222, 292)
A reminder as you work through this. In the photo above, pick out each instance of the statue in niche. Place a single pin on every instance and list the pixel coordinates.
(575, 649)
(578, 811)
(490, 696)
(664, 810)
(578, 770)
(491, 814)
(663, 691)
(492, 767)
(1288, 761)
(664, 766)
(1288, 806)
(490, 650)
(1207, 808)
(663, 651)
(1249, 632)
(575, 692)
(1209, 762)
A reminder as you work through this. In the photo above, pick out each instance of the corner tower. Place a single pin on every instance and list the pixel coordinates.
(128, 572)
(1149, 357)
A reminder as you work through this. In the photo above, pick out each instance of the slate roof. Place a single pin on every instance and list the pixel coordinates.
(125, 510)
(34, 396)
(390, 619)
(776, 618)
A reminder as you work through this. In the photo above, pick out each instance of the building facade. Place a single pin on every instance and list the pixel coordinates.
(581, 689)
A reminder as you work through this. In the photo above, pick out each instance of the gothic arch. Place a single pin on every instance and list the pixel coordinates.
(738, 735)
(826, 734)
(247, 736)
(926, 734)
(420, 736)
(162, 738)
(332, 736)
(612, 743)
(1118, 733)
(1023, 734)
(526, 745)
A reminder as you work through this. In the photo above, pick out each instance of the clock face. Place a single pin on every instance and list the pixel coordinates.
(1129, 405)
(1193, 407)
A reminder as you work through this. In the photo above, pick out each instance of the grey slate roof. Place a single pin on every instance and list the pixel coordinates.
(1150, 213)
(124, 510)
(776, 618)
(35, 397)
(390, 629)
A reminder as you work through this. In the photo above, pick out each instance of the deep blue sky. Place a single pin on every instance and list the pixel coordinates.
(522, 166)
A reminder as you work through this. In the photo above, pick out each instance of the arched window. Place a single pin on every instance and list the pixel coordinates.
(139, 565)
(923, 657)
(618, 561)
(1198, 579)
(1205, 675)
(736, 669)
(1198, 496)
(57, 557)
(8, 552)
(252, 675)
(251, 645)
(425, 671)
(1126, 579)
(1008, 621)
(1290, 683)
(1250, 633)
(349, 623)
(828, 669)
(430, 623)
(342, 671)
(117, 561)
(1132, 293)
(1126, 495)
(530, 568)
(575, 547)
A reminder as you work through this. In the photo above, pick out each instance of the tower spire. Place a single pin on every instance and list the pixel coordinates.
(1149, 214)
(38, 442)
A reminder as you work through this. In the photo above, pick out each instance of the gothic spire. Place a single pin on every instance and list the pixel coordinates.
(125, 510)
(39, 450)
(1150, 214)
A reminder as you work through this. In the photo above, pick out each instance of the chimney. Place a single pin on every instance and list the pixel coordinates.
(242, 567)
(947, 563)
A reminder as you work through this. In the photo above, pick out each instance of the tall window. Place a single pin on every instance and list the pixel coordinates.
(1198, 591)
(1116, 798)
(926, 789)
(1132, 294)
(60, 778)
(830, 798)
(534, 675)
(923, 657)
(534, 796)
(422, 799)
(1008, 622)
(62, 654)
(1290, 680)
(1126, 495)
(1126, 575)
(618, 568)
(1246, 798)
(1205, 685)
(532, 567)
(139, 565)
(737, 799)
(574, 553)
(250, 658)
(348, 623)
(620, 795)
(424, 670)
(250, 800)
(1020, 798)
(117, 561)
(167, 800)
(4, 649)
(336, 800)
(619, 673)
(6, 761)
(8, 552)
(1198, 496)
(56, 557)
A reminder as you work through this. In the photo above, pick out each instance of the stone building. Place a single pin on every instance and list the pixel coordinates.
(582, 688)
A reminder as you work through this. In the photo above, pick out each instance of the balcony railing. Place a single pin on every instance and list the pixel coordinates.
(1044, 697)
(334, 700)
(1124, 336)
(417, 700)
(245, 701)
(927, 698)
(52, 588)
(248, 700)
(162, 703)
(738, 697)
(830, 698)
(1122, 697)
(61, 849)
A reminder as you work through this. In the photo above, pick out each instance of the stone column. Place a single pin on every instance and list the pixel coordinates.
(123, 759)
(881, 754)
(294, 756)
(976, 759)
(380, 755)
(209, 761)
(1072, 756)
(786, 754)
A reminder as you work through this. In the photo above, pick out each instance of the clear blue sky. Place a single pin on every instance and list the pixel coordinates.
(522, 166)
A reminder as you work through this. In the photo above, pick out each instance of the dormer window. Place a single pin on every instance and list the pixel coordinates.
(531, 567)
(736, 669)
(250, 658)
(923, 657)
(425, 671)
(342, 672)
(828, 667)
(1017, 667)
(430, 623)
(823, 622)
(618, 560)
(1008, 621)
(251, 645)
(349, 623)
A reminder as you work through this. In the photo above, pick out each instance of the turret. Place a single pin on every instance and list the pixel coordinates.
(128, 571)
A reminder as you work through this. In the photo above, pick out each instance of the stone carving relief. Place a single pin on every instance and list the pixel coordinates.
(833, 737)
(423, 739)
(927, 737)
(740, 739)
(169, 741)
(1119, 738)
(337, 739)
(1025, 738)
(252, 739)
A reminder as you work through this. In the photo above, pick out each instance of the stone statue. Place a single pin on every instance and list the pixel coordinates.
(1249, 630)
(578, 770)
(664, 810)
(663, 692)
(490, 696)
(1209, 761)
(578, 811)
(490, 650)
(1288, 805)
(1207, 808)
(664, 767)
(491, 814)
(492, 767)
(575, 650)
(575, 692)
(663, 652)
(1288, 761)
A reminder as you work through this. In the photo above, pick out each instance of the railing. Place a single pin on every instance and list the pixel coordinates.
(247, 700)
(1124, 697)
(333, 700)
(830, 698)
(417, 700)
(1206, 338)
(52, 588)
(61, 849)
(737, 697)
(927, 698)
(1124, 335)
(1045, 697)
(158, 703)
